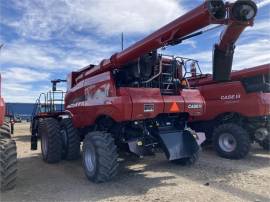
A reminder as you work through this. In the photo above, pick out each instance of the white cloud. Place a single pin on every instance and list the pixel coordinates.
(26, 54)
(46, 56)
(22, 84)
(23, 75)
(137, 16)
(246, 55)
(15, 87)
(259, 27)
(190, 42)
(45, 19)
(252, 54)
(23, 93)
(262, 3)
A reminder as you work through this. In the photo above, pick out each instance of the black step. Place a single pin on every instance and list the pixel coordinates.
(164, 64)
(169, 74)
(167, 91)
(168, 83)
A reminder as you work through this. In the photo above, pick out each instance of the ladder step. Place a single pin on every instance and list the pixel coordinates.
(167, 83)
(167, 92)
(55, 100)
(169, 74)
(164, 64)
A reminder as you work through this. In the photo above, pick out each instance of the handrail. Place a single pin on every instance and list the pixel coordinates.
(158, 74)
(49, 102)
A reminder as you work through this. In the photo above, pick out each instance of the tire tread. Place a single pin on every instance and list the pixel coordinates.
(8, 166)
(241, 136)
(107, 156)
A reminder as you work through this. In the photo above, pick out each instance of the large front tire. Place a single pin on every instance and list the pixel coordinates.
(51, 142)
(70, 139)
(100, 157)
(8, 163)
(231, 141)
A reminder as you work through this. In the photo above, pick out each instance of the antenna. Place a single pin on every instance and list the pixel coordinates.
(122, 40)
(1, 46)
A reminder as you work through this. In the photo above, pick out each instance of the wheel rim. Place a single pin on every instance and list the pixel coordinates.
(227, 142)
(44, 144)
(89, 159)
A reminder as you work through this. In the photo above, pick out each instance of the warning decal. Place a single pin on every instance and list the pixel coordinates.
(174, 107)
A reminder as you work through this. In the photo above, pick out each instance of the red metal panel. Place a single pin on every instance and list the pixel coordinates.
(2, 111)
(143, 98)
(99, 98)
(259, 70)
(265, 97)
(118, 108)
(230, 35)
(235, 75)
(172, 103)
(231, 97)
(194, 102)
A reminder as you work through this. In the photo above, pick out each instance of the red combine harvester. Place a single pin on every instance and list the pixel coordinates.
(237, 111)
(8, 152)
(138, 100)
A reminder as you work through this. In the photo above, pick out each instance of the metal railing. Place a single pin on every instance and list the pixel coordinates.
(50, 102)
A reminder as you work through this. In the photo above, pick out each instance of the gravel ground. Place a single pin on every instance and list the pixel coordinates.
(148, 179)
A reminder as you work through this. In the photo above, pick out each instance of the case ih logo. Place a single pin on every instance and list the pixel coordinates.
(194, 106)
(230, 97)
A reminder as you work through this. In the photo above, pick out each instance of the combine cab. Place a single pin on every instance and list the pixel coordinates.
(138, 101)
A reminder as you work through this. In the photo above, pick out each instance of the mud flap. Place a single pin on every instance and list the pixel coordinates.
(178, 144)
(34, 142)
(135, 146)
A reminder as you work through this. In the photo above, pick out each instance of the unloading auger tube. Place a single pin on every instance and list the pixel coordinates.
(236, 16)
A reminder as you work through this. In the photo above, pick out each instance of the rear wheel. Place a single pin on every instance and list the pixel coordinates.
(6, 124)
(51, 142)
(8, 163)
(6, 127)
(70, 139)
(231, 141)
(4, 133)
(100, 156)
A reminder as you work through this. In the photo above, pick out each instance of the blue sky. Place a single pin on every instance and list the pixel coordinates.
(45, 40)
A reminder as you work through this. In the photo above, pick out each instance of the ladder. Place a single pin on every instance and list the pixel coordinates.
(166, 79)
